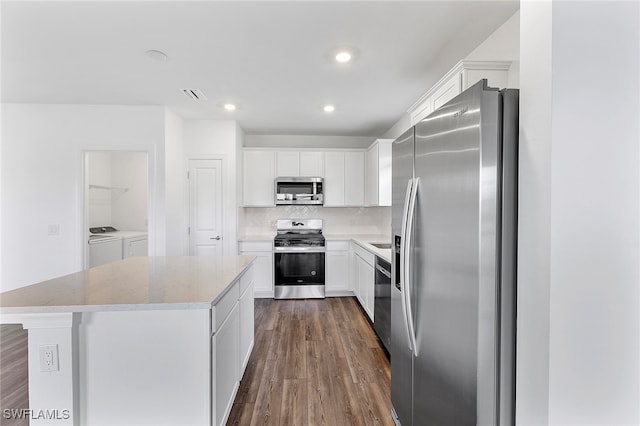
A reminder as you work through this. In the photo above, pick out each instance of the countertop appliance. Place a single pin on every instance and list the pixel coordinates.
(299, 190)
(454, 220)
(299, 256)
(382, 302)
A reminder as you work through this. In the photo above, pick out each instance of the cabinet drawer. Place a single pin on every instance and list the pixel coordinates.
(246, 279)
(255, 246)
(337, 245)
(224, 306)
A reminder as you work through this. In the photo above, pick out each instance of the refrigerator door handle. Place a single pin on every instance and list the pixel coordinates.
(411, 214)
(403, 257)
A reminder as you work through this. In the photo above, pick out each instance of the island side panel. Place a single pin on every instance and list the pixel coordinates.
(146, 367)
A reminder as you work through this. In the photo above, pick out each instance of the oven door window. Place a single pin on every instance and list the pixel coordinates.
(299, 268)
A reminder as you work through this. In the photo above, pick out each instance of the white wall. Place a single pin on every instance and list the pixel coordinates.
(532, 376)
(126, 210)
(129, 208)
(212, 139)
(98, 170)
(307, 141)
(595, 249)
(176, 186)
(337, 220)
(579, 242)
(502, 45)
(42, 168)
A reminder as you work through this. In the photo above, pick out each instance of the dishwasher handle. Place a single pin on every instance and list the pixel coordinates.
(383, 271)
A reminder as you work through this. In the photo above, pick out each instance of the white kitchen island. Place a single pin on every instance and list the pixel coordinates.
(141, 341)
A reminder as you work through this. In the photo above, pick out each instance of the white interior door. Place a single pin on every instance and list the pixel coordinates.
(205, 207)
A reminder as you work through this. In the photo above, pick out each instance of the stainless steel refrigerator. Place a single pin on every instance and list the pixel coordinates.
(454, 231)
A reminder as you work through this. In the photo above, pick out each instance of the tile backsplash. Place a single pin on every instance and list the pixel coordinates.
(337, 220)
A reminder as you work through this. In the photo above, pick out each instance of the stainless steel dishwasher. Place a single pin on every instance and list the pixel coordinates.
(382, 302)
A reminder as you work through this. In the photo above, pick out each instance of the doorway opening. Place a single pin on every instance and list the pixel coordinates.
(116, 207)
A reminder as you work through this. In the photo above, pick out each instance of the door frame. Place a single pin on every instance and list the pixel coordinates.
(83, 198)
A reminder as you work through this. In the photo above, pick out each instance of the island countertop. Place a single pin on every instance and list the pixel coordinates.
(135, 283)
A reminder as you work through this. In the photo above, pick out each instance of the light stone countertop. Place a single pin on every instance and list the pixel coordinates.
(135, 283)
(365, 240)
(256, 237)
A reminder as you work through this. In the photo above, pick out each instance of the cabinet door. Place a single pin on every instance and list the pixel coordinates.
(311, 164)
(448, 91)
(366, 281)
(258, 178)
(360, 276)
(337, 270)
(225, 366)
(354, 178)
(262, 273)
(247, 308)
(385, 158)
(288, 163)
(371, 173)
(334, 179)
(369, 282)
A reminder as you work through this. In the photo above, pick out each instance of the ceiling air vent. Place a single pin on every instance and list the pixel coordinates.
(195, 94)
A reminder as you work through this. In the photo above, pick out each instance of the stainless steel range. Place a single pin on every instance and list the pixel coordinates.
(299, 250)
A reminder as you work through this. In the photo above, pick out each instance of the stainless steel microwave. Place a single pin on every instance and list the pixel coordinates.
(299, 190)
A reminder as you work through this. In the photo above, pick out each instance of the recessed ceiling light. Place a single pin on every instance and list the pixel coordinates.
(343, 57)
(329, 108)
(229, 107)
(157, 55)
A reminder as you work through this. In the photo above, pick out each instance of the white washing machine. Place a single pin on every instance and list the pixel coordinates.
(104, 249)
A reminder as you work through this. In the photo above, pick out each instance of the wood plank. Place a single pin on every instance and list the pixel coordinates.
(14, 371)
(294, 403)
(322, 364)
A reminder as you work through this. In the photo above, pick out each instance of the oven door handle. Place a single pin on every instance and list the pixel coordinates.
(298, 250)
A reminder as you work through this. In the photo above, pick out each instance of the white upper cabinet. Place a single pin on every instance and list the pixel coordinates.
(378, 173)
(334, 179)
(287, 163)
(312, 164)
(258, 178)
(462, 76)
(344, 178)
(299, 163)
(354, 178)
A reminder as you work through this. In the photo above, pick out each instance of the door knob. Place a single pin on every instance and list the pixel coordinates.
(216, 238)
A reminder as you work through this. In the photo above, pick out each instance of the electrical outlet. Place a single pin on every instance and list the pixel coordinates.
(49, 358)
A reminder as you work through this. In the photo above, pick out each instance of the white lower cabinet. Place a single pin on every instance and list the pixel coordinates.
(225, 366)
(247, 306)
(231, 344)
(363, 277)
(337, 268)
(262, 266)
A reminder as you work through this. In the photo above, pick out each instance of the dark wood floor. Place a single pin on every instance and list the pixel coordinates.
(14, 372)
(315, 362)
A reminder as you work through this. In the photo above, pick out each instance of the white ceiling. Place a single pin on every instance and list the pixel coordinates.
(273, 59)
